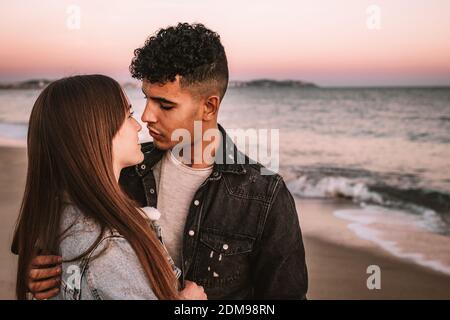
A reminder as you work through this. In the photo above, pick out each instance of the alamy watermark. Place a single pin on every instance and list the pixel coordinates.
(260, 145)
(74, 279)
(373, 21)
(73, 20)
(374, 280)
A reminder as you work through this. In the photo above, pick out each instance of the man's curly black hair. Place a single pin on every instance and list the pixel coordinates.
(191, 51)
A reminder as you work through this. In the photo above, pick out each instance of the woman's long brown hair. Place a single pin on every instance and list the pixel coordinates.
(70, 135)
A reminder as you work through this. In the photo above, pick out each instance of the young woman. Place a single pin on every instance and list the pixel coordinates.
(81, 135)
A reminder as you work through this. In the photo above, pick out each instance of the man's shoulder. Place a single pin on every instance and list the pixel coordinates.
(262, 173)
(255, 183)
(256, 170)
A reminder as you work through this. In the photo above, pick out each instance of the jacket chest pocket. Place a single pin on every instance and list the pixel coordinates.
(222, 259)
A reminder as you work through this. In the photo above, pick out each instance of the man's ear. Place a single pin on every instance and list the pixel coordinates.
(211, 108)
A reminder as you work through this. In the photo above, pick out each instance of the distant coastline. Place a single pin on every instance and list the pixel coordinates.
(37, 84)
(28, 84)
(258, 83)
(269, 83)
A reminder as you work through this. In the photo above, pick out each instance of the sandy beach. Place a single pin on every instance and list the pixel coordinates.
(337, 259)
(12, 181)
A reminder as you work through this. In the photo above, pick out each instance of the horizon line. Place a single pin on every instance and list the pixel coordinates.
(317, 85)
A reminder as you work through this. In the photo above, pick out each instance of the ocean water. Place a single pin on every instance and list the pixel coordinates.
(382, 148)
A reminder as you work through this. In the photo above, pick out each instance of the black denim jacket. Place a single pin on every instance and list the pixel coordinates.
(242, 238)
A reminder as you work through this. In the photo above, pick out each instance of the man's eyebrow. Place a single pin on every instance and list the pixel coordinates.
(164, 100)
(160, 99)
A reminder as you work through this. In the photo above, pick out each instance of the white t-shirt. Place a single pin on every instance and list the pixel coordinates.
(176, 185)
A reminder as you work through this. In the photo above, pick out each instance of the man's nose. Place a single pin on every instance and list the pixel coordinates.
(149, 114)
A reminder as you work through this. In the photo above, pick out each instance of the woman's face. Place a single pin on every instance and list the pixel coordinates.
(125, 145)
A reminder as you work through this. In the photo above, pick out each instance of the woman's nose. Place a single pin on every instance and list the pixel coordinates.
(138, 125)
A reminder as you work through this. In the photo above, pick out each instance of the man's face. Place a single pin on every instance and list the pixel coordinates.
(169, 107)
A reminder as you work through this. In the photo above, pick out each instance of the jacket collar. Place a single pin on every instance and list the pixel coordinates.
(228, 153)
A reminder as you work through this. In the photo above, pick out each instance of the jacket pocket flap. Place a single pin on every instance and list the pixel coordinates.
(228, 244)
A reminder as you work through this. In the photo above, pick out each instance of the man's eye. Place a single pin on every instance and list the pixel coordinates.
(165, 107)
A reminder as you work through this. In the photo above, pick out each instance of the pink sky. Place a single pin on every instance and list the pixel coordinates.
(324, 41)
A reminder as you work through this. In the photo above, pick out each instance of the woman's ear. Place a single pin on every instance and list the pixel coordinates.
(211, 108)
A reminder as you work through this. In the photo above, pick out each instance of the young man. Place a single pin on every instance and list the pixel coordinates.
(229, 228)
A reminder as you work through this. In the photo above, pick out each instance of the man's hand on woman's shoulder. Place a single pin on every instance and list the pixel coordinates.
(44, 278)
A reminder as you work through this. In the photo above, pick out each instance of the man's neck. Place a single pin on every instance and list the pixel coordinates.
(198, 158)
